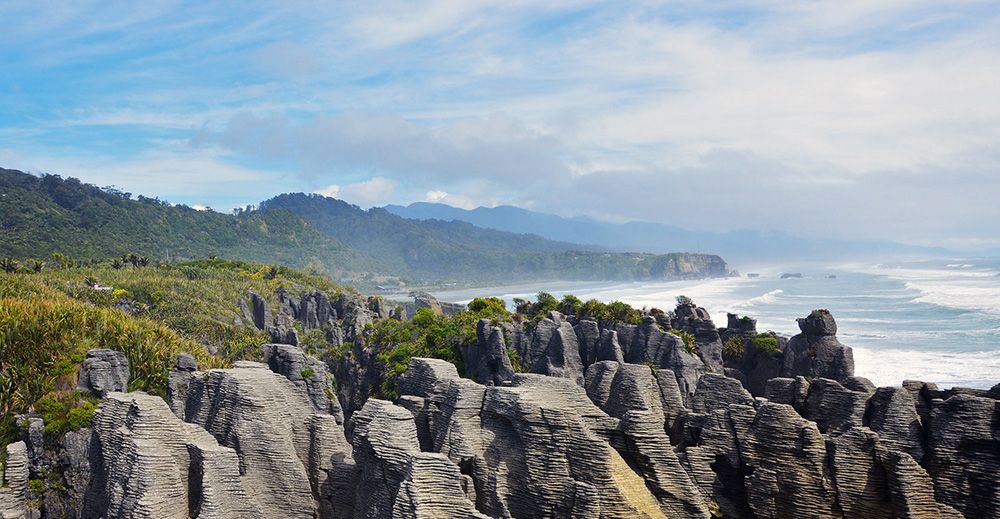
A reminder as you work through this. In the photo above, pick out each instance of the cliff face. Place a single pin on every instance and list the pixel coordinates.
(614, 420)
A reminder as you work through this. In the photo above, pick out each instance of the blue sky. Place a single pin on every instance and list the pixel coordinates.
(850, 119)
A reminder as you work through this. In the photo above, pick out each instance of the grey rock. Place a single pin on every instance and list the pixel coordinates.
(14, 491)
(261, 311)
(892, 414)
(143, 467)
(486, 359)
(396, 479)
(963, 453)
(608, 347)
(717, 391)
(789, 391)
(833, 407)
(271, 423)
(588, 335)
(816, 352)
(711, 454)
(555, 351)
(103, 371)
(177, 382)
(785, 455)
(305, 372)
(649, 344)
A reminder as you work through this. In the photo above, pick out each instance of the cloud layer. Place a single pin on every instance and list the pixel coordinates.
(853, 119)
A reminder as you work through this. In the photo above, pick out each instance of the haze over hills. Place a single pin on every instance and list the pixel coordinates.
(747, 245)
(49, 214)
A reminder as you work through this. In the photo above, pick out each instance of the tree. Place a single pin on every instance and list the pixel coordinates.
(8, 265)
(36, 265)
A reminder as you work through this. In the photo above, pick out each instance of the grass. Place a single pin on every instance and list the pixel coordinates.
(49, 319)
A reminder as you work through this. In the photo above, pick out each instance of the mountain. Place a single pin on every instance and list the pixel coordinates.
(43, 215)
(658, 238)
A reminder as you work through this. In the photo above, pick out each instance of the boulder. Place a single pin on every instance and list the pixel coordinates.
(892, 414)
(14, 491)
(717, 391)
(103, 371)
(833, 407)
(649, 344)
(588, 335)
(177, 382)
(555, 351)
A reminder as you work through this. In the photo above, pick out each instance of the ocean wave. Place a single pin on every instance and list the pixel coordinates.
(764, 299)
(889, 367)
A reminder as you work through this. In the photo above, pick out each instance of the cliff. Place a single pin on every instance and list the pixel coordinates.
(660, 414)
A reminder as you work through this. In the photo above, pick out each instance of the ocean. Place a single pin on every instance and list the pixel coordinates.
(931, 320)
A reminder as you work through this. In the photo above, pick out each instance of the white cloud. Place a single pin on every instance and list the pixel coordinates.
(332, 191)
(376, 191)
(435, 196)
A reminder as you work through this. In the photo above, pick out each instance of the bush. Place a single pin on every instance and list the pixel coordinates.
(733, 348)
(570, 305)
(67, 411)
(620, 311)
(307, 373)
(690, 345)
(766, 344)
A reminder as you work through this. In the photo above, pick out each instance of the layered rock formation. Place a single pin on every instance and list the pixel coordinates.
(615, 420)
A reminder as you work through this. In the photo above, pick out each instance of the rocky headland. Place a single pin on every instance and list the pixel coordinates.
(554, 416)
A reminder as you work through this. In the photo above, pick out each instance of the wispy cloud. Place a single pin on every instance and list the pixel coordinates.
(853, 116)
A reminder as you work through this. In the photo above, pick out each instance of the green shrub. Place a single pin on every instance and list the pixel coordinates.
(690, 345)
(766, 344)
(66, 411)
(623, 312)
(733, 348)
(570, 305)
(307, 373)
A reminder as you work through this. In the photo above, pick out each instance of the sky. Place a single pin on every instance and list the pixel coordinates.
(867, 119)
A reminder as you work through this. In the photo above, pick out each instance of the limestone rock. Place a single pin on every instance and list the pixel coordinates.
(816, 352)
(588, 335)
(649, 344)
(270, 423)
(833, 407)
(717, 391)
(14, 491)
(143, 467)
(711, 454)
(103, 371)
(892, 414)
(305, 372)
(608, 347)
(963, 453)
(555, 351)
(486, 360)
(786, 458)
(177, 382)
(789, 391)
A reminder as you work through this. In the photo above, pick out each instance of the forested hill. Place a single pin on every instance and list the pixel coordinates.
(43, 215)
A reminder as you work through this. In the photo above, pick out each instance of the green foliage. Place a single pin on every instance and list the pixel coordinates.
(50, 214)
(515, 360)
(620, 311)
(570, 305)
(307, 373)
(492, 308)
(66, 411)
(733, 348)
(594, 309)
(36, 486)
(766, 344)
(652, 368)
(9, 265)
(690, 345)
(684, 300)
(313, 341)
(544, 303)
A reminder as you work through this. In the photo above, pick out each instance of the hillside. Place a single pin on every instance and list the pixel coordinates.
(44, 215)
(743, 244)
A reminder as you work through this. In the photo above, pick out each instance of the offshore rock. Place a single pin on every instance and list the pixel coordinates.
(816, 352)
(293, 458)
(103, 371)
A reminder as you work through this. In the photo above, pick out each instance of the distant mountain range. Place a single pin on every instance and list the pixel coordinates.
(742, 245)
(42, 215)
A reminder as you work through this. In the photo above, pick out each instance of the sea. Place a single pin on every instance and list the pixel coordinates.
(932, 320)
